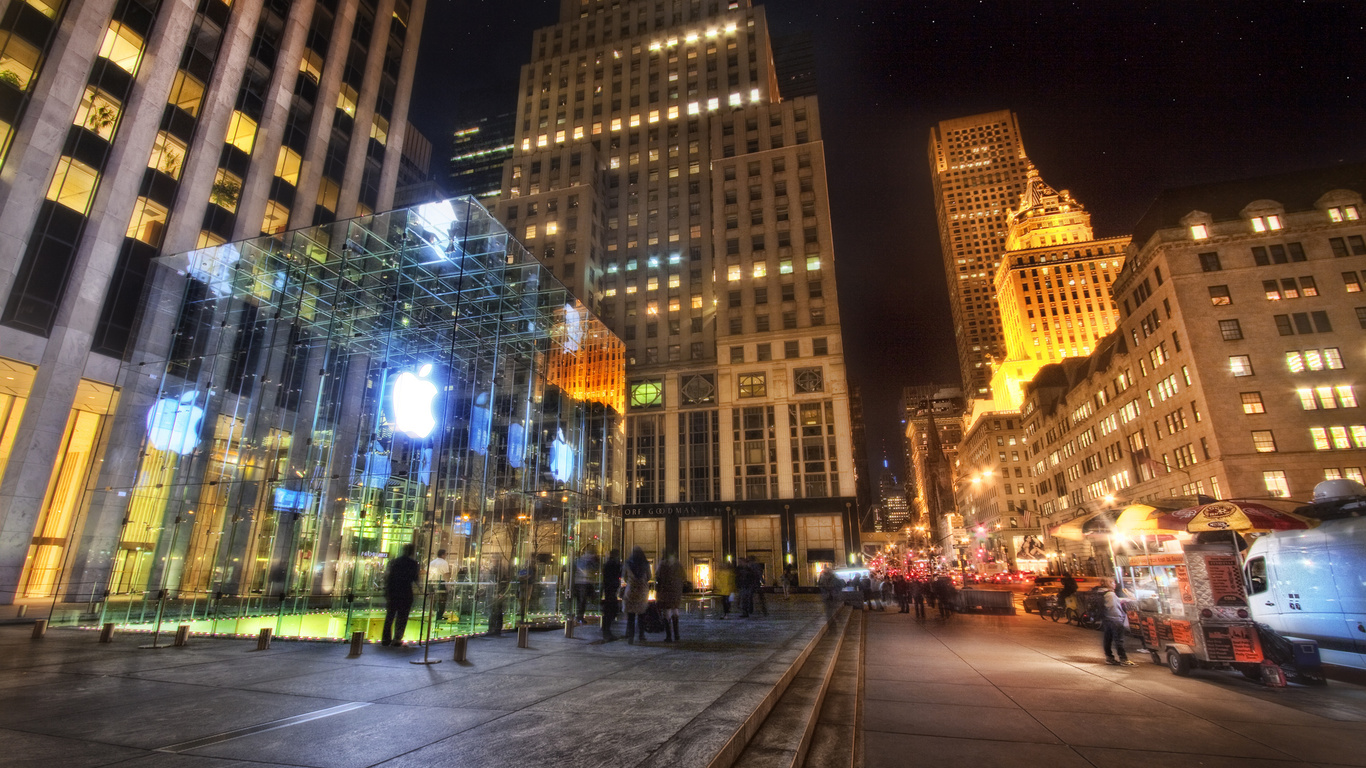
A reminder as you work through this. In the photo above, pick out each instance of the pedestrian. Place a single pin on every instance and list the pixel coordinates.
(611, 585)
(398, 594)
(502, 590)
(746, 580)
(759, 583)
(1114, 627)
(636, 576)
(944, 594)
(438, 579)
(669, 594)
(724, 585)
(866, 586)
(585, 574)
(918, 589)
(787, 582)
(830, 585)
(901, 587)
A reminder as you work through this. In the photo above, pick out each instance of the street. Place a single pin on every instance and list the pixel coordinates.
(1017, 691)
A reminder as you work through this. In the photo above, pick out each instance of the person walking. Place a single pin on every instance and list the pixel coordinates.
(438, 582)
(398, 594)
(611, 585)
(746, 579)
(901, 587)
(829, 585)
(585, 574)
(944, 594)
(636, 576)
(669, 594)
(918, 590)
(1114, 627)
(724, 585)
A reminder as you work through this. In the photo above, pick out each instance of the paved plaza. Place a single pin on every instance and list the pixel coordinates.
(69, 701)
(1021, 692)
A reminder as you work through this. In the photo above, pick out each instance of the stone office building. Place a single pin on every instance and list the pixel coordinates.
(133, 128)
(662, 175)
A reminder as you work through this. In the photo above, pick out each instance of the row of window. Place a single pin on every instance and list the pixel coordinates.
(1272, 222)
(1297, 361)
(1339, 438)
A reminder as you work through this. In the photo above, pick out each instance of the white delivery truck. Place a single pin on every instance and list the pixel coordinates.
(1311, 584)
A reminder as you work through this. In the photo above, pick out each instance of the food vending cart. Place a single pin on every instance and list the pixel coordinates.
(1191, 609)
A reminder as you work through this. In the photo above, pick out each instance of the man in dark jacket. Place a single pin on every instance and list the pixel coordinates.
(398, 593)
(611, 585)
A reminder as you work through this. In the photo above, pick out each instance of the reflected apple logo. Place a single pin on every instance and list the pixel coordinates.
(561, 458)
(516, 444)
(481, 424)
(412, 401)
(173, 424)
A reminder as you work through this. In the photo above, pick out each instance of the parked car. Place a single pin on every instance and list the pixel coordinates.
(1039, 596)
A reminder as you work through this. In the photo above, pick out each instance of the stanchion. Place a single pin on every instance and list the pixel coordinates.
(461, 648)
(523, 636)
(107, 632)
(263, 639)
(156, 631)
(182, 636)
(39, 629)
(23, 611)
(357, 644)
(569, 627)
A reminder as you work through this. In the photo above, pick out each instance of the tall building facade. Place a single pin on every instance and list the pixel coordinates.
(934, 429)
(1052, 288)
(134, 128)
(659, 171)
(1233, 370)
(979, 169)
(479, 150)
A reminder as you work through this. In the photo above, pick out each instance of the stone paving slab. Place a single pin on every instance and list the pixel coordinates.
(573, 702)
(1008, 691)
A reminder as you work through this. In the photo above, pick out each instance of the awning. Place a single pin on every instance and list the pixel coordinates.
(1074, 529)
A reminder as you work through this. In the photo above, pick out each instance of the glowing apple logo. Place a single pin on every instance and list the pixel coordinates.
(573, 326)
(413, 396)
(173, 424)
(561, 458)
(516, 444)
(481, 424)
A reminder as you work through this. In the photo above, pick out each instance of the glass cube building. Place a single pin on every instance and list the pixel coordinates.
(297, 407)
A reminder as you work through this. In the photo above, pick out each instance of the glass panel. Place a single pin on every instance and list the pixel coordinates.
(241, 132)
(287, 165)
(168, 153)
(99, 112)
(18, 61)
(16, 379)
(73, 185)
(187, 93)
(227, 188)
(122, 46)
(148, 222)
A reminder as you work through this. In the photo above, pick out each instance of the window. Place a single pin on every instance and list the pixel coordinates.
(737, 354)
(752, 385)
(19, 58)
(1263, 441)
(1230, 330)
(148, 222)
(820, 346)
(1270, 223)
(763, 352)
(98, 112)
(1350, 280)
(168, 155)
(1240, 365)
(1276, 483)
(813, 263)
(647, 394)
(790, 349)
(276, 218)
(287, 166)
(122, 47)
(1219, 295)
(1209, 262)
(241, 132)
(1361, 316)
(734, 273)
(1252, 402)
(1327, 398)
(312, 65)
(1329, 358)
(328, 192)
(1199, 232)
(227, 188)
(1343, 213)
(73, 185)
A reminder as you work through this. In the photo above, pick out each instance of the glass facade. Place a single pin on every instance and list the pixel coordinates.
(298, 407)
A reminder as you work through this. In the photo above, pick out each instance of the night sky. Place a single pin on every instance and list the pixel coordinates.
(1116, 100)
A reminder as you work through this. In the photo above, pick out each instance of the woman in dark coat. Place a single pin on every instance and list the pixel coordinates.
(636, 576)
(669, 594)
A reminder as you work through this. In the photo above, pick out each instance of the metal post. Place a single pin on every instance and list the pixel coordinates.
(107, 632)
(357, 644)
(182, 636)
(461, 648)
(523, 636)
(156, 633)
(569, 627)
(22, 612)
(39, 629)
(263, 640)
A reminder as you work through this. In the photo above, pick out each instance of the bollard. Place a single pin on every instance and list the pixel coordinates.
(39, 629)
(182, 636)
(23, 611)
(569, 627)
(523, 636)
(357, 644)
(107, 632)
(263, 640)
(461, 648)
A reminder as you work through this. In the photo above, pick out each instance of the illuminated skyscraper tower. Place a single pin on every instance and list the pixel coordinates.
(659, 172)
(978, 167)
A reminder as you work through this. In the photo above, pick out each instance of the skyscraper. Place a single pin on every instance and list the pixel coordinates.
(661, 174)
(978, 167)
(135, 128)
(479, 150)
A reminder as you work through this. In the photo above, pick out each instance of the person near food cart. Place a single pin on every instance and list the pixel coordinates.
(1114, 627)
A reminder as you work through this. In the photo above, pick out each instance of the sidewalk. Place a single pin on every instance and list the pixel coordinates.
(1016, 691)
(67, 700)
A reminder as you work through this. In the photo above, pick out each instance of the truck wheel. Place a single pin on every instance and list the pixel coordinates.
(1178, 663)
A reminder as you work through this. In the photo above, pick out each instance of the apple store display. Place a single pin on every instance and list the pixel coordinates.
(298, 407)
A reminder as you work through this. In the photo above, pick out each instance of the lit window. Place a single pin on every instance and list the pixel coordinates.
(1320, 437)
(148, 222)
(531, 232)
(652, 308)
(379, 129)
(760, 269)
(1307, 401)
(1240, 365)
(328, 193)
(226, 190)
(736, 100)
(73, 185)
(673, 113)
(346, 99)
(168, 155)
(207, 239)
(1345, 213)
(1263, 441)
(1347, 398)
(673, 281)
(635, 121)
(652, 284)
(552, 227)
(615, 162)
(1199, 231)
(287, 165)
(241, 132)
(122, 47)
(1340, 440)
(713, 103)
(98, 112)
(754, 94)
(630, 289)
(1359, 436)
(312, 65)
(1276, 483)
(609, 292)
(597, 129)
(813, 263)
(697, 301)
(1252, 402)
(674, 305)
(616, 123)
(694, 108)
(653, 262)
(19, 59)
(276, 218)
(733, 273)
(647, 394)
(753, 385)
(654, 115)
(526, 144)
(578, 132)
(785, 267)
